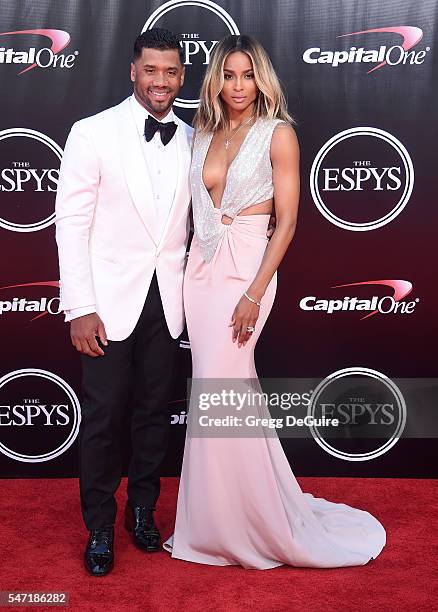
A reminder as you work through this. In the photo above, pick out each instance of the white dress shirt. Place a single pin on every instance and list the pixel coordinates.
(162, 165)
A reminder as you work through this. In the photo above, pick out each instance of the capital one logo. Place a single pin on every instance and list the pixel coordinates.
(390, 304)
(10, 304)
(394, 55)
(33, 57)
(361, 179)
(370, 410)
(200, 24)
(39, 415)
(29, 173)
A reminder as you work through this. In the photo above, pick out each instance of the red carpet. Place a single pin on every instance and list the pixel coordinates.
(42, 539)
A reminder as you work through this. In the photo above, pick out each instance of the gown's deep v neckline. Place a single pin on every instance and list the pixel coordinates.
(207, 149)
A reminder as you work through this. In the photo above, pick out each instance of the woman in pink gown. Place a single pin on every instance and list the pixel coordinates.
(239, 502)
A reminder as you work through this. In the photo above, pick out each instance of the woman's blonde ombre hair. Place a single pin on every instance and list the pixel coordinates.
(211, 114)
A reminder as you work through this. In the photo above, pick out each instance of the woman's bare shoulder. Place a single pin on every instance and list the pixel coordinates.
(284, 140)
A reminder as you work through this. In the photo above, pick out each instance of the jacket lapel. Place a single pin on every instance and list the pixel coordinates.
(134, 168)
(181, 198)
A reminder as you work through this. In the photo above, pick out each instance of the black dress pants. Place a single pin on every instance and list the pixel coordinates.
(138, 369)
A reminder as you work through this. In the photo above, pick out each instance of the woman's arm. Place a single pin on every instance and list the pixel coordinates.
(285, 156)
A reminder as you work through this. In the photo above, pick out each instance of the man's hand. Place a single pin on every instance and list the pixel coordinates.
(83, 332)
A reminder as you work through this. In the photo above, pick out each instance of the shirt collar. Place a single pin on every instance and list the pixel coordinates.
(141, 114)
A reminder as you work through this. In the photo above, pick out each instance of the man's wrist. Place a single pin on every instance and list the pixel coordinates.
(75, 313)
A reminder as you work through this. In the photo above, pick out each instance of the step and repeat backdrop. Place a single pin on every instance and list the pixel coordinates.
(357, 292)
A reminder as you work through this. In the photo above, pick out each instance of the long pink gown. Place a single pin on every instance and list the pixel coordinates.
(239, 502)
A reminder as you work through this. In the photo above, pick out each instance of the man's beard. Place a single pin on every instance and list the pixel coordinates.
(155, 105)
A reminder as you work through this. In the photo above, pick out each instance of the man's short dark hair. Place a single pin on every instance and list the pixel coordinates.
(157, 38)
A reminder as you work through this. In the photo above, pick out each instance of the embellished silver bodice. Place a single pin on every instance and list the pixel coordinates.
(248, 182)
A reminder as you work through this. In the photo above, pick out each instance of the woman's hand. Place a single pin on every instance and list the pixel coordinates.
(245, 315)
(271, 226)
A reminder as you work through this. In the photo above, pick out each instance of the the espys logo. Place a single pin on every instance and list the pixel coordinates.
(43, 305)
(362, 179)
(200, 31)
(33, 57)
(394, 55)
(389, 304)
(29, 173)
(370, 410)
(39, 415)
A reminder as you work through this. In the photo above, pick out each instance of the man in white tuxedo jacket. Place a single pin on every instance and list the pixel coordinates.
(122, 228)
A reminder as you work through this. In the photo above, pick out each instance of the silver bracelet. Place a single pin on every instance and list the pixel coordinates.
(251, 300)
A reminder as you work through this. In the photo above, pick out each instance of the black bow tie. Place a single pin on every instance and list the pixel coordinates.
(167, 130)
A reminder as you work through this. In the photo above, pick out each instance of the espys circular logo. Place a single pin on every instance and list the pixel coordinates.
(362, 179)
(39, 415)
(370, 410)
(199, 30)
(29, 173)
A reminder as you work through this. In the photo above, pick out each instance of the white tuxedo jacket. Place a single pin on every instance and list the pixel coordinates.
(107, 242)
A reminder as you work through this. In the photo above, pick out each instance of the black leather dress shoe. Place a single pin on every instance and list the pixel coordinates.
(99, 554)
(140, 521)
